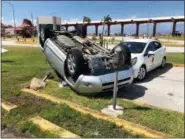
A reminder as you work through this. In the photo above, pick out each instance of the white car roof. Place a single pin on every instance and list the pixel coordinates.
(140, 40)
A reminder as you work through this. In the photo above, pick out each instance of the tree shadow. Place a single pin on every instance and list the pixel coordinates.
(7, 61)
(132, 91)
(140, 108)
(4, 71)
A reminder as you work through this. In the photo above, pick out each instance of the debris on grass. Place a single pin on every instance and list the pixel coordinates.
(37, 84)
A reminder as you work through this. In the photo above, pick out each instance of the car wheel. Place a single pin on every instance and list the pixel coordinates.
(44, 34)
(142, 73)
(75, 63)
(163, 63)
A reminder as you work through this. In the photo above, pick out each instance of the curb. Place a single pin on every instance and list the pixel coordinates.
(7, 105)
(175, 65)
(46, 125)
(178, 65)
(148, 105)
(123, 124)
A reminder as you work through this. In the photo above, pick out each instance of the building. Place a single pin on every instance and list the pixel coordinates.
(9, 31)
(2, 29)
(26, 29)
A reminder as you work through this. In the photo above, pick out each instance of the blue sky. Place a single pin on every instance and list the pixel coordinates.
(75, 10)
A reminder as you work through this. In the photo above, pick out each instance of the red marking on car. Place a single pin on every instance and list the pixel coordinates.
(152, 59)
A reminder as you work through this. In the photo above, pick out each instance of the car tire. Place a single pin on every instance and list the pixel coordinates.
(142, 73)
(163, 63)
(75, 63)
(44, 34)
(127, 55)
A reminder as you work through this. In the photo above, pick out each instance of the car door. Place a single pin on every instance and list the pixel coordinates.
(149, 59)
(158, 53)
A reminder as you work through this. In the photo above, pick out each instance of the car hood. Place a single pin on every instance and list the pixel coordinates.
(135, 55)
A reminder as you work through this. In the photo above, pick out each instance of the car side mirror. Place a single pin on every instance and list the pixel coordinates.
(150, 53)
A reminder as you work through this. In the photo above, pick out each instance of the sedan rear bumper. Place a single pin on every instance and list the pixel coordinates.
(96, 84)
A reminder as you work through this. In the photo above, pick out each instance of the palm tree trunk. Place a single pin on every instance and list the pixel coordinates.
(103, 28)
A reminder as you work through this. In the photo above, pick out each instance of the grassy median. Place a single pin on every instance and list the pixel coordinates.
(21, 64)
(163, 120)
(177, 58)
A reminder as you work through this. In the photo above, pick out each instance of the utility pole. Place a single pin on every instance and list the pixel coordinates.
(148, 20)
(32, 19)
(13, 11)
(32, 24)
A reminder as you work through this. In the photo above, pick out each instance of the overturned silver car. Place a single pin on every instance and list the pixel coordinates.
(84, 65)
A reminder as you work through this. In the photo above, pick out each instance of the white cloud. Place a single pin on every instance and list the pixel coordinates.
(133, 17)
(10, 22)
(72, 20)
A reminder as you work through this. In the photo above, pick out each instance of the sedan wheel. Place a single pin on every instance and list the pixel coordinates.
(71, 64)
(163, 63)
(142, 73)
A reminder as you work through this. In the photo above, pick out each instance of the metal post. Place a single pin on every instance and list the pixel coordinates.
(137, 29)
(13, 17)
(108, 28)
(96, 30)
(148, 20)
(154, 29)
(33, 26)
(47, 75)
(174, 28)
(115, 89)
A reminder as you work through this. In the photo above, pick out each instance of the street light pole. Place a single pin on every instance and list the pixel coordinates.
(13, 16)
(149, 6)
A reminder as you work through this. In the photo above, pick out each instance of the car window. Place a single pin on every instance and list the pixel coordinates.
(151, 47)
(157, 45)
(134, 47)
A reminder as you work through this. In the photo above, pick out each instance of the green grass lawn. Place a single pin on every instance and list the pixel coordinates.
(177, 58)
(172, 44)
(171, 38)
(159, 119)
(21, 64)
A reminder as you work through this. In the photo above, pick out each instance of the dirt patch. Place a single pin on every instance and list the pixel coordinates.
(7, 132)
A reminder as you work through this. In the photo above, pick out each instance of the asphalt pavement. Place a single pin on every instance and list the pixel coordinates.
(13, 43)
(163, 88)
(171, 49)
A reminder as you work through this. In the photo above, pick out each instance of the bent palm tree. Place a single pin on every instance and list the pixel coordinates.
(106, 20)
(85, 20)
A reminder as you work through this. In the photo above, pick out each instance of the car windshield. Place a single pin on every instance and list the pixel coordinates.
(134, 47)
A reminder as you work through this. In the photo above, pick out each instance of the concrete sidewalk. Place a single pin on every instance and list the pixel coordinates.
(13, 43)
(161, 88)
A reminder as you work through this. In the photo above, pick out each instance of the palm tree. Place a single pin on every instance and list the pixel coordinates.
(86, 19)
(106, 20)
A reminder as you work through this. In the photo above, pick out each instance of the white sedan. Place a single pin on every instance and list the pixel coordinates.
(146, 54)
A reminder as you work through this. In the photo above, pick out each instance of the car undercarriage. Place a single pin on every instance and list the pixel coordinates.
(74, 56)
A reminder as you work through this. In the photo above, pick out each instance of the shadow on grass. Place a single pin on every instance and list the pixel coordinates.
(4, 71)
(131, 92)
(7, 61)
(138, 108)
